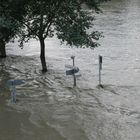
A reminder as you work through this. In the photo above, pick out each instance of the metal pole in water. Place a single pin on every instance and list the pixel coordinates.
(100, 68)
(74, 77)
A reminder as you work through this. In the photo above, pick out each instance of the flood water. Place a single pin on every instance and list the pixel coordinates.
(49, 108)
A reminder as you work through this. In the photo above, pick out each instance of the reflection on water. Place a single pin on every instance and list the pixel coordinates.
(50, 108)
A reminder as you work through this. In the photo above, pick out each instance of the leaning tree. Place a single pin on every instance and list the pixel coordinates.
(64, 18)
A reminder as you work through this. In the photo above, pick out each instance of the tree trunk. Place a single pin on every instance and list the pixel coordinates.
(42, 55)
(2, 49)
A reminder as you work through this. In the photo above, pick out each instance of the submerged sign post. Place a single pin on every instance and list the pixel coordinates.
(73, 69)
(13, 83)
(100, 68)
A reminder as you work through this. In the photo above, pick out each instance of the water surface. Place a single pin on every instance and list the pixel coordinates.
(50, 108)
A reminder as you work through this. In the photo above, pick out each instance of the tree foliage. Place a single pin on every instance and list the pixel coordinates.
(65, 18)
(10, 16)
(40, 19)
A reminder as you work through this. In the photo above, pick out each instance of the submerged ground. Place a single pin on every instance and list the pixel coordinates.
(48, 106)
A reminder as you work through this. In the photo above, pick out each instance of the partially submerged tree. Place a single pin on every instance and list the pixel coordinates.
(11, 13)
(64, 18)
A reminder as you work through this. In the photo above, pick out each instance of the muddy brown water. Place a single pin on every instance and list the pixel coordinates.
(49, 108)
